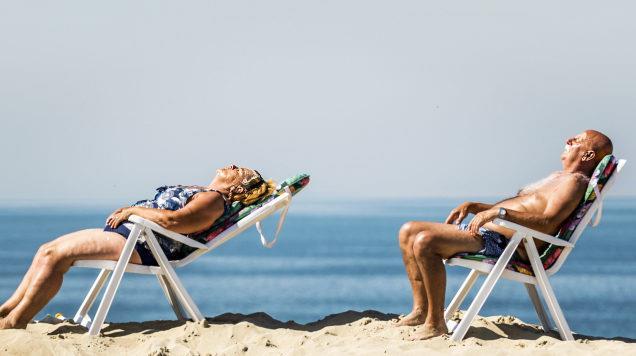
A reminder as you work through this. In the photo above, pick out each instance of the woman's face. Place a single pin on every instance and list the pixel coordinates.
(235, 175)
(227, 175)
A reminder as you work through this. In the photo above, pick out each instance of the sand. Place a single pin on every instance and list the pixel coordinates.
(348, 333)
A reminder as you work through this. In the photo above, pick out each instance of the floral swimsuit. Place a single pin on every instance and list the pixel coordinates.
(173, 197)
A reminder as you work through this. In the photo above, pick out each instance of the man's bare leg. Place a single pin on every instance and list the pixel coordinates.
(52, 260)
(433, 243)
(406, 238)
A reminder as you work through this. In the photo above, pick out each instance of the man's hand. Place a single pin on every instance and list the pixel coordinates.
(118, 216)
(458, 214)
(480, 219)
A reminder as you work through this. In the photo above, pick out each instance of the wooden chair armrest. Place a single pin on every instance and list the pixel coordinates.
(534, 233)
(167, 233)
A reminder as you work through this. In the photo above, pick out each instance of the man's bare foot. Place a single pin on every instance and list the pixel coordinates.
(416, 317)
(430, 331)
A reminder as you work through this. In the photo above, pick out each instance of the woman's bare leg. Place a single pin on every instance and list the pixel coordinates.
(52, 260)
(13, 301)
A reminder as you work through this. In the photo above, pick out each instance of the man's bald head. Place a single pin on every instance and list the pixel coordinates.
(600, 144)
(584, 151)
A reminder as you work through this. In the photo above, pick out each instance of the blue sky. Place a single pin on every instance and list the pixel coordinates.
(105, 101)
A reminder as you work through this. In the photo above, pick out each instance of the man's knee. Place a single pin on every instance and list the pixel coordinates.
(424, 243)
(405, 233)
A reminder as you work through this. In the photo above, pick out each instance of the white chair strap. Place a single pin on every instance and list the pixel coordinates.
(599, 211)
(281, 221)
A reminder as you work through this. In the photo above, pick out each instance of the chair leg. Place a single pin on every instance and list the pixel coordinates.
(172, 279)
(171, 296)
(461, 295)
(538, 307)
(113, 284)
(81, 315)
(486, 288)
(546, 291)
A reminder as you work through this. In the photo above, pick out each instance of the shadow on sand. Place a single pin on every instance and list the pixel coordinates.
(515, 331)
(259, 319)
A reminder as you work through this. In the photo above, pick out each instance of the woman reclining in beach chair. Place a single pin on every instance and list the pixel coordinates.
(182, 209)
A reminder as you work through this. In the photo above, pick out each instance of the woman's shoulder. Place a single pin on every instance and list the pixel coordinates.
(180, 189)
(208, 196)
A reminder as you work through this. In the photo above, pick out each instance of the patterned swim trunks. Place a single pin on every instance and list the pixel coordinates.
(494, 242)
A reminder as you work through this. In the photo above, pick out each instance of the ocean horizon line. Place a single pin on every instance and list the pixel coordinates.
(101, 203)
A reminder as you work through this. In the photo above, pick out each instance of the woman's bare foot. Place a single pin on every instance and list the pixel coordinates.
(415, 317)
(7, 323)
(430, 331)
(4, 324)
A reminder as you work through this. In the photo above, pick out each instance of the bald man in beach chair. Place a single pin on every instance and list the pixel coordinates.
(542, 206)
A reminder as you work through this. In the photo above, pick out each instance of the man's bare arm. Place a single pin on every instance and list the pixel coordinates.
(458, 214)
(561, 204)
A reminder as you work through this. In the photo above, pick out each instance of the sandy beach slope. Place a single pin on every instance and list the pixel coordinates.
(348, 333)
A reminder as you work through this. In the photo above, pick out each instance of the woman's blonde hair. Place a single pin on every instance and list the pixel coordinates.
(250, 187)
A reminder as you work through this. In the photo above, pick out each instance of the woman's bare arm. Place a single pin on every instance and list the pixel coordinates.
(198, 214)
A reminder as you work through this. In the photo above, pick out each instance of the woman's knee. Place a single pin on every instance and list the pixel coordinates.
(49, 254)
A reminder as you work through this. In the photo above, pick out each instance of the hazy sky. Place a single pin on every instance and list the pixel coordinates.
(106, 100)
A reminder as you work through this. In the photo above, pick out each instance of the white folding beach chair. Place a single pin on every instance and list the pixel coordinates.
(538, 276)
(178, 298)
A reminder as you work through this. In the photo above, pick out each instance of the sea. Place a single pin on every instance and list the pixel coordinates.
(334, 256)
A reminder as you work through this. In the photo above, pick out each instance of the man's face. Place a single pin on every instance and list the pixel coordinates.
(576, 148)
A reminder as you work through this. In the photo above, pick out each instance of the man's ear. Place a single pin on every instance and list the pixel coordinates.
(588, 156)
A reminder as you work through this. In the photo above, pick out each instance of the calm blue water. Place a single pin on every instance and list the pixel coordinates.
(333, 257)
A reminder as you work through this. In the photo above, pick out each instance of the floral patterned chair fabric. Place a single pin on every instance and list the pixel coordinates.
(238, 211)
